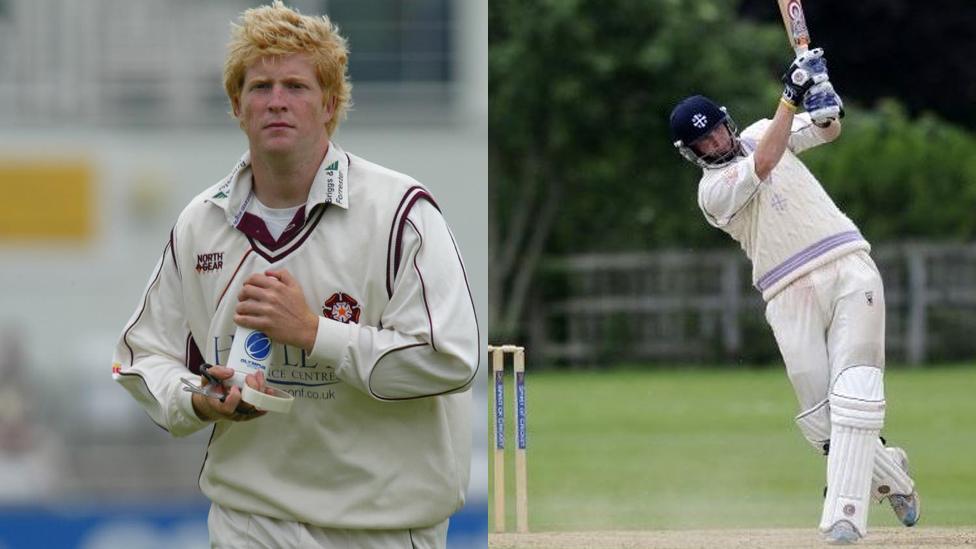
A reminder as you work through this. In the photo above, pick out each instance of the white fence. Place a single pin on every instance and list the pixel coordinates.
(699, 306)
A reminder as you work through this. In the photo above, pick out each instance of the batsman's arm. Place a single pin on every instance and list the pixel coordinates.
(773, 143)
(150, 356)
(428, 343)
(807, 135)
(829, 132)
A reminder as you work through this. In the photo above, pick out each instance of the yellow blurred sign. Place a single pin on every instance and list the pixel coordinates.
(45, 199)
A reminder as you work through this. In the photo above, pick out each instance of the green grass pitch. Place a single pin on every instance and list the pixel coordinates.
(646, 448)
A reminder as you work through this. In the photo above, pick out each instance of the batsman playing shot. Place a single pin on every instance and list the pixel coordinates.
(824, 295)
(351, 427)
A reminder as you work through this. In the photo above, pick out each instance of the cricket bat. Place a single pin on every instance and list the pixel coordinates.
(796, 25)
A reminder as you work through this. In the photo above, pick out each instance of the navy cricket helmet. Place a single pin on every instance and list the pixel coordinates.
(695, 117)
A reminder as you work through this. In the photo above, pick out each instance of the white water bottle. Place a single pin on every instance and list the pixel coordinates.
(251, 353)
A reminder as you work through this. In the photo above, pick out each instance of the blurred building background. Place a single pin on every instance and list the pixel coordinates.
(112, 117)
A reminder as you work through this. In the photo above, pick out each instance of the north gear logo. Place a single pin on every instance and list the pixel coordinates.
(333, 166)
(221, 194)
(210, 262)
(699, 120)
(341, 308)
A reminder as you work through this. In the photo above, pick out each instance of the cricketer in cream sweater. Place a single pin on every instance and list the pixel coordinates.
(762, 216)
(824, 295)
(363, 295)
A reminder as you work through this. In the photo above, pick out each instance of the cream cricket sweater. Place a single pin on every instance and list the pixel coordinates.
(379, 436)
(787, 224)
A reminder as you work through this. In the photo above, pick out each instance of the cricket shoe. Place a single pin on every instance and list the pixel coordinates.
(842, 533)
(908, 508)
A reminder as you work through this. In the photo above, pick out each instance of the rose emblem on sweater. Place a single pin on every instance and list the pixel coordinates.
(341, 308)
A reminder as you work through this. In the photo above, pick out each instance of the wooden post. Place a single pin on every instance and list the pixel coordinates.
(498, 369)
(521, 493)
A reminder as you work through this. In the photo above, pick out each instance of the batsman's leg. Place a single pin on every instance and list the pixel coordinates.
(898, 486)
(857, 408)
(855, 340)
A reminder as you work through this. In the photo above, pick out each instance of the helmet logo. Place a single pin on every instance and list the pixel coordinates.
(699, 120)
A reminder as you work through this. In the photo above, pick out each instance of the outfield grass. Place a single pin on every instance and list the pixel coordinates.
(646, 449)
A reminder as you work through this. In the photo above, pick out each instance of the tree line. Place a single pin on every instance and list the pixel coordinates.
(580, 158)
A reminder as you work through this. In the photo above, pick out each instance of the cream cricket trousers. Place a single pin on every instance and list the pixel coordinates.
(230, 529)
(827, 320)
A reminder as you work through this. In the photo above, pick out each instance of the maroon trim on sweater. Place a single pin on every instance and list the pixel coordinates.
(474, 311)
(394, 247)
(145, 301)
(295, 227)
(232, 277)
(423, 287)
(206, 455)
(148, 390)
(172, 251)
(389, 241)
(194, 358)
(369, 380)
(254, 227)
(467, 285)
(307, 230)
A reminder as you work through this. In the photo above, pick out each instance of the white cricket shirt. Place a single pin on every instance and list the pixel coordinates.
(380, 432)
(787, 224)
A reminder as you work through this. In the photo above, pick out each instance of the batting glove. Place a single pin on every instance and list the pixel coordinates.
(807, 70)
(823, 104)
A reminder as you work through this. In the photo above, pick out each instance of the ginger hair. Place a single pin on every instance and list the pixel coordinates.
(277, 30)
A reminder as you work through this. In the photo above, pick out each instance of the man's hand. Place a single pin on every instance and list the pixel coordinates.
(823, 104)
(274, 303)
(807, 70)
(229, 407)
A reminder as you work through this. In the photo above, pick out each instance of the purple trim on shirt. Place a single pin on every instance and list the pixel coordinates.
(806, 255)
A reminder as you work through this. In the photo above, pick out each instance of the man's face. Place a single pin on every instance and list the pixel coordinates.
(282, 108)
(715, 144)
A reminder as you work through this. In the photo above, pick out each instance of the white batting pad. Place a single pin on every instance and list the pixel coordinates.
(857, 414)
(815, 425)
(857, 398)
(889, 477)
